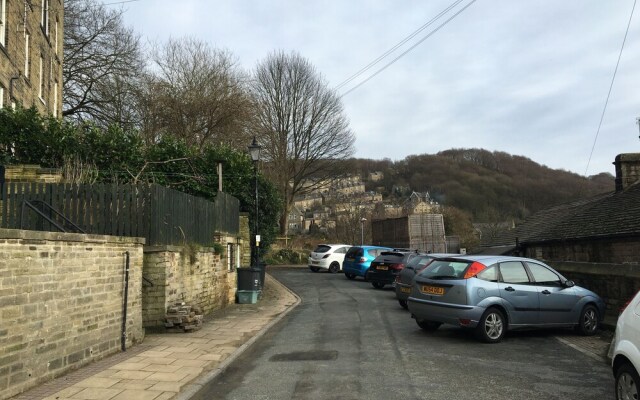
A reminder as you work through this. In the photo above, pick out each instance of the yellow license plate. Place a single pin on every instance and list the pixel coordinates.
(432, 290)
(405, 290)
(382, 268)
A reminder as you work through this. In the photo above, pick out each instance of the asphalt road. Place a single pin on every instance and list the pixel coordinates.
(350, 341)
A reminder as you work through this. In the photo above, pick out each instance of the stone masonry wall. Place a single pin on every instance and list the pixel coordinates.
(198, 277)
(61, 303)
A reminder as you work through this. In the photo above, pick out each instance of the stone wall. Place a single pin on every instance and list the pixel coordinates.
(61, 303)
(195, 276)
(615, 283)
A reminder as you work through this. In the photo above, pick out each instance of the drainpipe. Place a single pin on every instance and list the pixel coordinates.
(123, 339)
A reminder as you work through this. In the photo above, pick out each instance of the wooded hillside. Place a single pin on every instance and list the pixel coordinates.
(491, 186)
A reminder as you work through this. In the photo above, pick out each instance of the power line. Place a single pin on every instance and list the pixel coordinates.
(119, 2)
(408, 50)
(610, 88)
(394, 48)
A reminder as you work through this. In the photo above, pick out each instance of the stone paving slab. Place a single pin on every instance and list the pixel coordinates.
(161, 367)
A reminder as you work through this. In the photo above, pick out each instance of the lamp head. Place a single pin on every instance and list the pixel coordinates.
(254, 150)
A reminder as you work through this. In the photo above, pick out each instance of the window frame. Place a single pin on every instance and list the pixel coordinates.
(3, 23)
(524, 268)
(27, 54)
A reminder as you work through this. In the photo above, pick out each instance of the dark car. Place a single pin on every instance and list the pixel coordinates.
(387, 266)
(404, 279)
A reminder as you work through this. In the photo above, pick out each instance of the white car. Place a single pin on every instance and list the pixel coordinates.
(625, 351)
(328, 257)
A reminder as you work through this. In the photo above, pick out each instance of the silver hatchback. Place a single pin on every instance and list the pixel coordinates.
(492, 294)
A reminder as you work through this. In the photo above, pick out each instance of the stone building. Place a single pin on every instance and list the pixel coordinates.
(31, 36)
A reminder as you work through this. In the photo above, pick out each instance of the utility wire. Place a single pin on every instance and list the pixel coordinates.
(394, 48)
(408, 50)
(610, 88)
(119, 2)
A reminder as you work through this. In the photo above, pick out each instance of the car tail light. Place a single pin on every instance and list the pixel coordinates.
(326, 256)
(363, 260)
(474, 269)
(397, 267)
(464, 321)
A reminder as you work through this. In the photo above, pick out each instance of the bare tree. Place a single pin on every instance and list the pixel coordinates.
(301, 125)
(102, 62)
(196, 93)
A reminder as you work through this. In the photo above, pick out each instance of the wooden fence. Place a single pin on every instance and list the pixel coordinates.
(161, 215)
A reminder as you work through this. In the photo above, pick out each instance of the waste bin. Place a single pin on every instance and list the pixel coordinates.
(262, 268)
(249, 279)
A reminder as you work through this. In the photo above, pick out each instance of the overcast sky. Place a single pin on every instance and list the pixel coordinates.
(528, 78)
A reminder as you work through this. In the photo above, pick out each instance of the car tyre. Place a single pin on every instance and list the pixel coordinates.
(588, 324)
(314, 269)
(377, 285)
(492, 326)
(403, 304)
(428, 325)
(334, 267)
(350, 276)
(627, 382)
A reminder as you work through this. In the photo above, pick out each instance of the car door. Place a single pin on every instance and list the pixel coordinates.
(519, 294)
(556, 300)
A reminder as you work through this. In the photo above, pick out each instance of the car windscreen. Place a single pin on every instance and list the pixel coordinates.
(391, 253)
(322, 248)
(419, 262)
(445, 269)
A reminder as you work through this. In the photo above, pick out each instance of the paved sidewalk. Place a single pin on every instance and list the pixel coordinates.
(173, 365)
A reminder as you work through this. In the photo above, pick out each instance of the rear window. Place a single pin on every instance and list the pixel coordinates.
(446, 269)
(355, 252)
(419, 261)
(392, 253)
(323, 248)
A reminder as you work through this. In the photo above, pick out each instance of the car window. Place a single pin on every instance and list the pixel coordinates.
(543, 275)
(322, 248)
(513, 272)
(342, 250)
(445, 269)
(373, 252)
(355, 252)
(418, 262)
(490, 274)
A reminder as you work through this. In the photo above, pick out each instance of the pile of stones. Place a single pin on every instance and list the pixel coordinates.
(182, 317)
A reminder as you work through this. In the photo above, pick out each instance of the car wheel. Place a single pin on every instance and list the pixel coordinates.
(492, 326)
(350, 276)
(588, 324)
(314, 269)
(627, 382)
(377, 285)
(428, 325)
(334, 267)
(403, 304)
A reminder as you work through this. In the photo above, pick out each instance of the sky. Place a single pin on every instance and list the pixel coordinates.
(529, 78)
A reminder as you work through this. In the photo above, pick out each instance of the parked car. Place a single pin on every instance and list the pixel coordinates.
(404, 278)
(358, 260)
(328, 257)
(493, 294)
(387, 266)
(625, 351)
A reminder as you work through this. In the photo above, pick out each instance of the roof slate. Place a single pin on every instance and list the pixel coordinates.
(605, 215)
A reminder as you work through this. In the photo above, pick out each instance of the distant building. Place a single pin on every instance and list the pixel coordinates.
(31, 36)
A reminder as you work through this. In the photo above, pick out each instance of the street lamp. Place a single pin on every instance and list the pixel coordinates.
(254, 151)
(362, 221)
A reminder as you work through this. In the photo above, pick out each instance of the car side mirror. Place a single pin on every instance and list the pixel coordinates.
(569, 284)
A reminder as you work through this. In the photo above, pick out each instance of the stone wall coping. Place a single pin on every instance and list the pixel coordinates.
(627, 270)
(173, 249)
(68, 237)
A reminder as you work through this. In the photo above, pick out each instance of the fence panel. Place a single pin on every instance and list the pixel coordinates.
(160, 215)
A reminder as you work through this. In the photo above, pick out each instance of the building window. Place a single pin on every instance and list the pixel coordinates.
(44, 16)
(3, 23)
(41, 79)
(56, 44)
(1, 96)
(27, 54)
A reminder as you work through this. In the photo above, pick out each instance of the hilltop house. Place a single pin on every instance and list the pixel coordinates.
(31, 34)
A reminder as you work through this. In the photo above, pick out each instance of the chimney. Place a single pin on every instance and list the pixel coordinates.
(627, 170)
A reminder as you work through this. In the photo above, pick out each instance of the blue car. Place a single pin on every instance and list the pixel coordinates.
(493, 294)
(358, 260)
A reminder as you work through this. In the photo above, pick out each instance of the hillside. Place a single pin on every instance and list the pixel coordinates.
(491, 186)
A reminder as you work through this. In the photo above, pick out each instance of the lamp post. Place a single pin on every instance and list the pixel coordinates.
(362, 221)
(254, 151)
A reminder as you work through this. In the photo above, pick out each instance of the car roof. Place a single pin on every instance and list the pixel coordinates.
(490, 259)
(333, 245)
